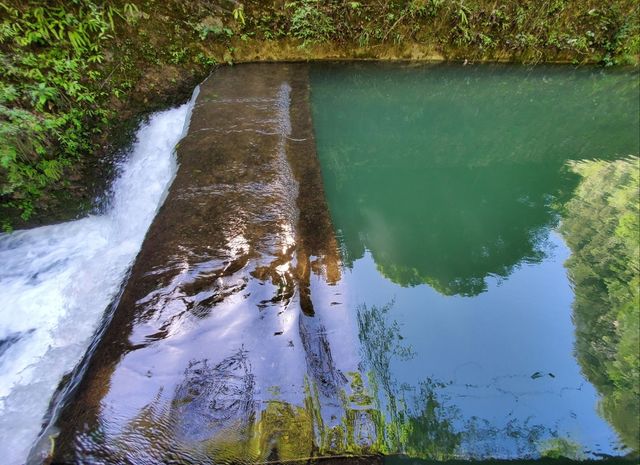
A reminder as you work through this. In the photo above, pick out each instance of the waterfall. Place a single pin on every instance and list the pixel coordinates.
(56, 281)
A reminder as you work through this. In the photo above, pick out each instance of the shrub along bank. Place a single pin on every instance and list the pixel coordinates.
(73, 71)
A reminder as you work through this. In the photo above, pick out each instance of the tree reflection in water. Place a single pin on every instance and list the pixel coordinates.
(601, 225)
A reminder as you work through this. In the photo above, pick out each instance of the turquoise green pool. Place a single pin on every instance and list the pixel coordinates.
(488, 223)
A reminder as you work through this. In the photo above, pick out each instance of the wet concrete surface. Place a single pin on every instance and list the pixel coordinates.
(217, 348)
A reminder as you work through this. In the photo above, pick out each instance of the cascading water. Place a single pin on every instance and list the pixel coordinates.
(56, 281)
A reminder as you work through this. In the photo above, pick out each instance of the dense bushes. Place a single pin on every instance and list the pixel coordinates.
(68, 67)
(534, 30)
(49, 93)
(71, 68)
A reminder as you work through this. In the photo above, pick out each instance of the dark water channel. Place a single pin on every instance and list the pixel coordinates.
(370, 261)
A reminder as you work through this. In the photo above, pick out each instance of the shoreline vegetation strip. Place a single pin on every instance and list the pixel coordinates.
(77, 73)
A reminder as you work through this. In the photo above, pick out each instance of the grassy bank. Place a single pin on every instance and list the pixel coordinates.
(74, 72)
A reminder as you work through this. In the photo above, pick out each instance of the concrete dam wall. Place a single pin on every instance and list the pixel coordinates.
(218, 350)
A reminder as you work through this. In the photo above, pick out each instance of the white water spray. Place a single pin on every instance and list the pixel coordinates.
(56, 282)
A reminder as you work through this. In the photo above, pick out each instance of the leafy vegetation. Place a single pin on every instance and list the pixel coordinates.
(72, 69)
(602, 227)
(68, 68)
(530, 30)
(47, 102)
(309, 22)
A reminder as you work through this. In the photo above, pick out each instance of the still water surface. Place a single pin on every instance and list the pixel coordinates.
(455, 192)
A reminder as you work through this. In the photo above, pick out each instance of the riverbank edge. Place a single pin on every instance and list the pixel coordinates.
(95, 173)
(90, 178)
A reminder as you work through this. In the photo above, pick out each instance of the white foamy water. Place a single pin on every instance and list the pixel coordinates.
(56, 282)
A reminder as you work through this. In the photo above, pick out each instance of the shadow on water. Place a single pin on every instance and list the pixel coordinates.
(449, 227)
(456, 172)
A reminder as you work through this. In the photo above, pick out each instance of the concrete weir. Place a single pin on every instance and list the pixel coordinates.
(219, 349)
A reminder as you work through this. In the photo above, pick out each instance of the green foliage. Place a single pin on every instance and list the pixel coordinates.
(561, 448)
(238, 15)
(177, 54)
(131, 13)
(68, 67)
(309, 22)
(214, 27)
(47, 93)
(270, 24)
(205, 60)
(529, 29)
